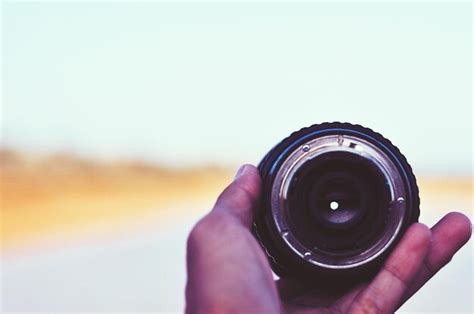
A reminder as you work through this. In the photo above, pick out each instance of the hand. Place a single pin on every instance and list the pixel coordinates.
(229, 273)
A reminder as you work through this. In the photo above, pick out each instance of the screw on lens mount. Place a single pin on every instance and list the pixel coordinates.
(336, 199)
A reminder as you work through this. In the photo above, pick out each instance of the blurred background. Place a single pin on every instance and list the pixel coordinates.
(122, 122)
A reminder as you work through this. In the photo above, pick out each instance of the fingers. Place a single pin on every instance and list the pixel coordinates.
(227, 272)
(448, 236)
(241, 196)
(384, 293)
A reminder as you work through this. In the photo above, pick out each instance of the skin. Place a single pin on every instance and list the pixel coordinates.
(228, 272)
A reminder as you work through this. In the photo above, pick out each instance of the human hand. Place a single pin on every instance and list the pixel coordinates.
(229, 273)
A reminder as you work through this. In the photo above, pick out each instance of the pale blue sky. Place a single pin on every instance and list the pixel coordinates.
(206, 83)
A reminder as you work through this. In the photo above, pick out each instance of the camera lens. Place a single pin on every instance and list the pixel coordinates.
(336, 199)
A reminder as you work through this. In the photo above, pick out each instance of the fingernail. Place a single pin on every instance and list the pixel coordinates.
(240, 172)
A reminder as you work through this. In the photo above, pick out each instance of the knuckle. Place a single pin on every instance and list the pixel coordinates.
(199, 233)
(369, 306)
(242, 197)
(396, 272)
(207, 231)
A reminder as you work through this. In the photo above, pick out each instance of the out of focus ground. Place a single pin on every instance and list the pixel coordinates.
(63, 194)
(82, 235)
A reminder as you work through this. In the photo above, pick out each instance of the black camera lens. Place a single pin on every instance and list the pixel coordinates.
(336, 199)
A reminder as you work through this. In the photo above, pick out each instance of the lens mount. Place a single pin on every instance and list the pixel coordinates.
(336, 199)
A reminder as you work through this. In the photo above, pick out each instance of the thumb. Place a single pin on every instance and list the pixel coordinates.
(241, 196)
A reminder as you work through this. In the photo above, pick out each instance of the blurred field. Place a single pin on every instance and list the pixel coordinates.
(64, 194)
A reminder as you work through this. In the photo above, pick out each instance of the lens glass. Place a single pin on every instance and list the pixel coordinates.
(338, 204)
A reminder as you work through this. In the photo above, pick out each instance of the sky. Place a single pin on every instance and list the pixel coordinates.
(186, 84)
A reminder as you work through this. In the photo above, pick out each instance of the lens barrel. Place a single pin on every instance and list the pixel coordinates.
(336, 199)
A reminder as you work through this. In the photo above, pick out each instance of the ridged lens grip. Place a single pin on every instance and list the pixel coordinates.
(322, 262)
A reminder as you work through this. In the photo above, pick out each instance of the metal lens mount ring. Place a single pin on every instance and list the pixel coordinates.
(329, 144)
